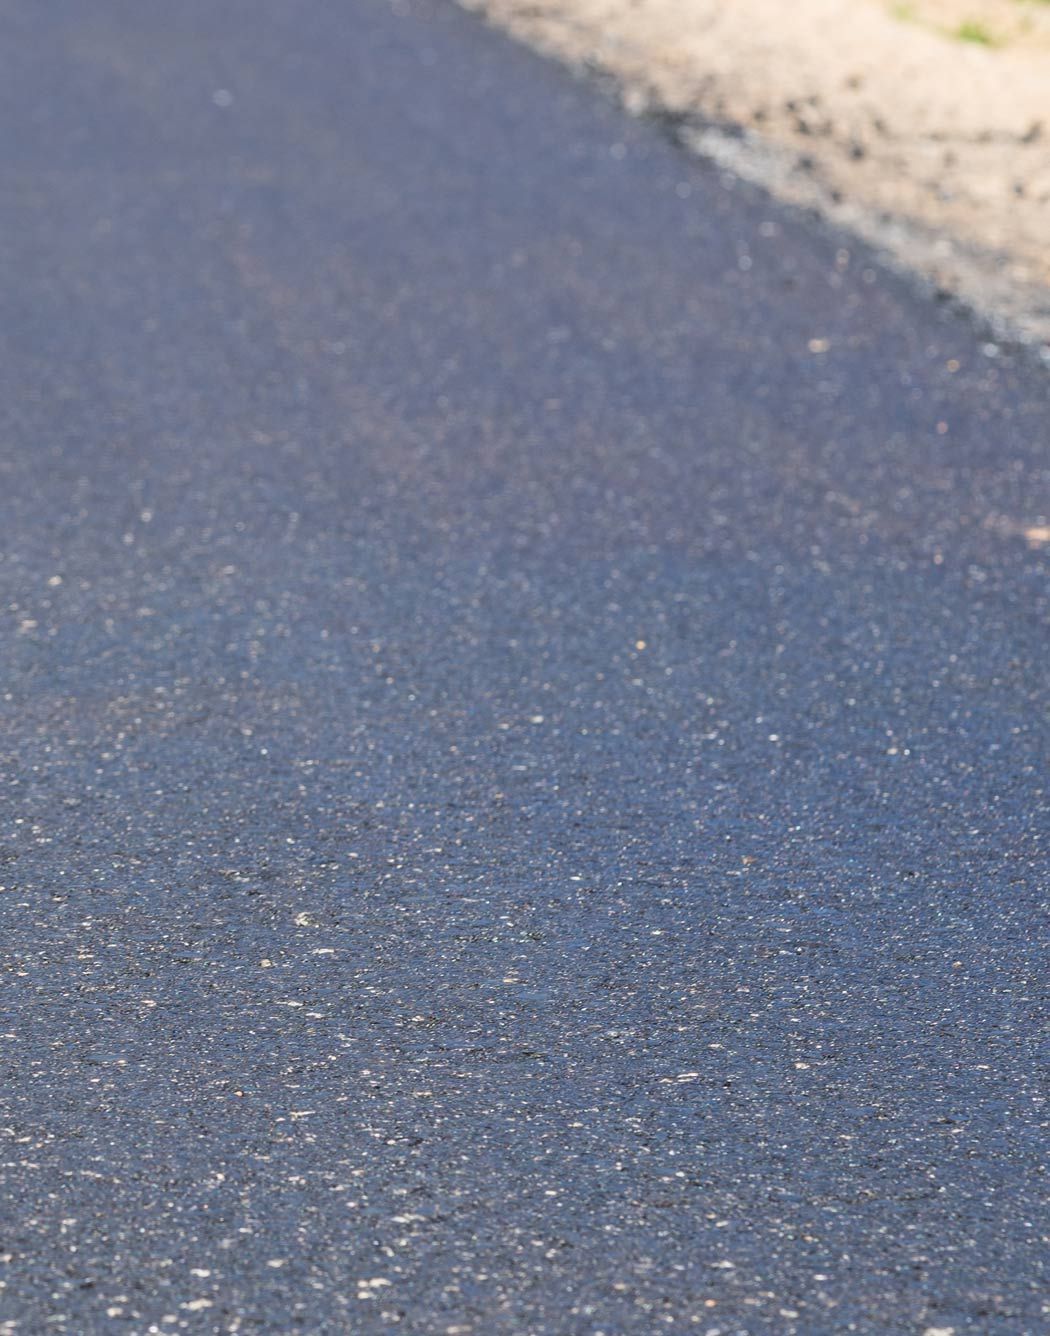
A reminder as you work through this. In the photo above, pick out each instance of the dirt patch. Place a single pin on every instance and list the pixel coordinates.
(924, 126)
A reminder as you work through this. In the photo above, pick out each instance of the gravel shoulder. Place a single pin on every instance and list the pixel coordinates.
(923, 127)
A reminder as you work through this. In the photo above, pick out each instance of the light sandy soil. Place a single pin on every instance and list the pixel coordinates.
(924, 126)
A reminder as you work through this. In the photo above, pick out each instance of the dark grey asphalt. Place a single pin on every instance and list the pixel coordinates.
(524, 714)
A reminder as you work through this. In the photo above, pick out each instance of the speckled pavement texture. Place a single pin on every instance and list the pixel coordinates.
(524, 714)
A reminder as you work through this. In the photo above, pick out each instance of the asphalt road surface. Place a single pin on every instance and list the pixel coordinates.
(524, 696)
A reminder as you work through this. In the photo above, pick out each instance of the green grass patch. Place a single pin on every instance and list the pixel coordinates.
(971, 31)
